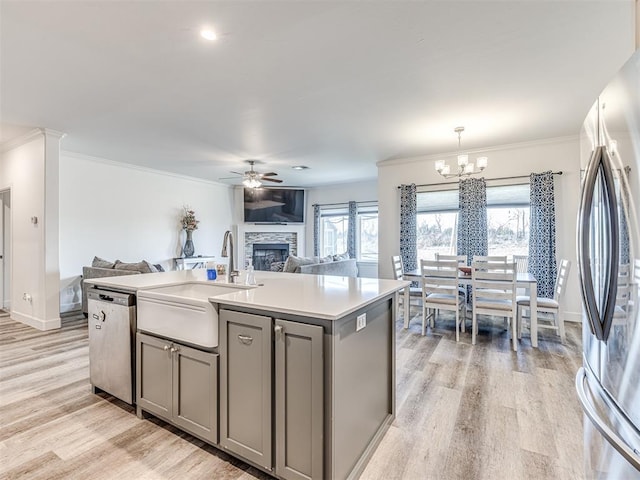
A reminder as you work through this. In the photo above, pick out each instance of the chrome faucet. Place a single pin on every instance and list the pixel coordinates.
(228, 240)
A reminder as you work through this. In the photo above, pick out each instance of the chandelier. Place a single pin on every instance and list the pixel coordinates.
(465, 168)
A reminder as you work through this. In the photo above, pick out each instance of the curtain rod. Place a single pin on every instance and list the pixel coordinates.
(342, 203)
(488, 179)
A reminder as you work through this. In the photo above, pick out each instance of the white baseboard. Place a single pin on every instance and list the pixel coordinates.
(38, 323)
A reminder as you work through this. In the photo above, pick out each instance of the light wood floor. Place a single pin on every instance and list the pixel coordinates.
(463, 412)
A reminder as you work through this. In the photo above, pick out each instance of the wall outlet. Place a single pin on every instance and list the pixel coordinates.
(26, 297)
(361, 322)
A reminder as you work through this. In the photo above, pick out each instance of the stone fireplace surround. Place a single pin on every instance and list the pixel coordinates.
(293, 235)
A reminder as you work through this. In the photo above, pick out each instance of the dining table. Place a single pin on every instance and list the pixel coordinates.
(523, 280)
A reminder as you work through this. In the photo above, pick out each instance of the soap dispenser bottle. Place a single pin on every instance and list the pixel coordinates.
(251, 277)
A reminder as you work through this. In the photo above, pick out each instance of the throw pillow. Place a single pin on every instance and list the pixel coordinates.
(276, 266)
(293, 263)
(141, 267)
(342, 256)
(327, 259)
(159, 267)
(151, 266)
(101, 263)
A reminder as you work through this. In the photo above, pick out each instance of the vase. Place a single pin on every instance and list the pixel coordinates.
(188, 249)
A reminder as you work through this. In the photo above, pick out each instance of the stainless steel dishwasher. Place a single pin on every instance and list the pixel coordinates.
(112, 327)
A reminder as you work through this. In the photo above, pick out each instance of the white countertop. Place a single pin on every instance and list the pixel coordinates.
(319, 296)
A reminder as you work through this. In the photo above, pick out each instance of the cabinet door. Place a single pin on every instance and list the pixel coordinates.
(153, 372)
(299, 400)
(245, 386)
(195, 392)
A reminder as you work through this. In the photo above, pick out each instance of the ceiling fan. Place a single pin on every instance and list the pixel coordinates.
(253, 179)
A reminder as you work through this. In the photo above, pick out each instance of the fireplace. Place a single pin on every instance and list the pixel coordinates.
(264, 254)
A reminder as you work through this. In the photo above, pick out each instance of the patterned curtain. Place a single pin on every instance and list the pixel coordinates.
(472, 218)
(351, 229)
(316, 230)
(542, 233)
(408, 233)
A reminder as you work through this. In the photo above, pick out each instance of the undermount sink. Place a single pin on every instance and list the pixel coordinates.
(183, 312)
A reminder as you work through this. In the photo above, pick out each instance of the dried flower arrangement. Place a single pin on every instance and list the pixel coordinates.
(189, 222)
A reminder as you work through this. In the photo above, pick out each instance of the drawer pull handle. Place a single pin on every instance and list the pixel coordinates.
(245, 339)
(175, 349)
(165, 348)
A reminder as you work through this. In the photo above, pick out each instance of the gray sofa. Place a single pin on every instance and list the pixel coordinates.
(321, 266)
(102, 268)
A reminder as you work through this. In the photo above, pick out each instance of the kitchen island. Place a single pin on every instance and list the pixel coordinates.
(302, 382)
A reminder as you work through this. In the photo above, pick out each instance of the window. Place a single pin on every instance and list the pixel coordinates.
(334, 227)
(367, 234)
(333, 232)
(507, 221)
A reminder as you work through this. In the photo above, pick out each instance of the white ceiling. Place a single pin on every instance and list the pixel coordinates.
(336, 86)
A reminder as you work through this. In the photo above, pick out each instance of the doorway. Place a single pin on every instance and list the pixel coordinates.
(5, 249)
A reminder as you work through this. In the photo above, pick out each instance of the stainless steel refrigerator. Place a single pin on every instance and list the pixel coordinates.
(608, 384)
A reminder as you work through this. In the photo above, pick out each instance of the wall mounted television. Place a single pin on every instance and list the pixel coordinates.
(273, 205)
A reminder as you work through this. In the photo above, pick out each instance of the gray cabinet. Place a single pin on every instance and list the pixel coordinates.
(245, 386)
(299, 402)
(179, 384)
(252, 372)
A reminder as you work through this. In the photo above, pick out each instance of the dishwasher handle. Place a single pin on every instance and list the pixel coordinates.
(111, 297)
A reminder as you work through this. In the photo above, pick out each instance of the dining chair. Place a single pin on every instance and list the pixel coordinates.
(490, 258)
(494, 293)
(462, 262)
(551, 306)
(522, 263)
(440, 280)
(398, 273)
(461, 259)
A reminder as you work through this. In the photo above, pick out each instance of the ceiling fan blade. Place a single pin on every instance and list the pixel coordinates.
(237, 173)
(227, 178)
(268, 174)
(275, 180)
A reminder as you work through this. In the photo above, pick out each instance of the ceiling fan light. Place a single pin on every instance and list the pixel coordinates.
(251, 182)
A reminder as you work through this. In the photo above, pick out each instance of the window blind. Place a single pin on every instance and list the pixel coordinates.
(497, 196)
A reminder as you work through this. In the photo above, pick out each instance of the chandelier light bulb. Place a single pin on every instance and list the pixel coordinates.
(481, 162)
(463, 159)
(440, 165)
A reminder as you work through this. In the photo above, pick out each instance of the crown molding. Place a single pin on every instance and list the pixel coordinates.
(495, 148)
(113, 163)
(21, 139)
(30, 135)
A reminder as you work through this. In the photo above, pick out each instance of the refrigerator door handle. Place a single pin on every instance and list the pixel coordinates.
(600, 324)
(629, 453)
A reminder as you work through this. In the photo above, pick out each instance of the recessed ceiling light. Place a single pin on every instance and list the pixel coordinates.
(208, 34)
(300, 167)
